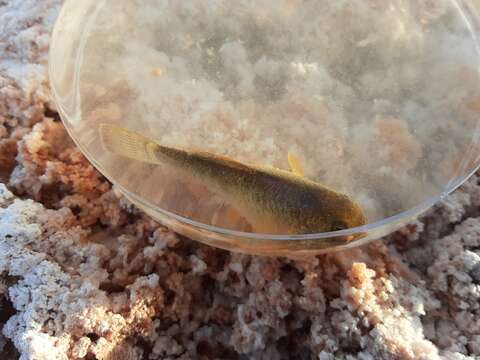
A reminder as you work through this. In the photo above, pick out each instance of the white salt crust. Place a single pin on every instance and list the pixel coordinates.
(83, 274)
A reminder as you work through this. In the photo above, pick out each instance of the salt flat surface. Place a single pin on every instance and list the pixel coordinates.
(85, 274)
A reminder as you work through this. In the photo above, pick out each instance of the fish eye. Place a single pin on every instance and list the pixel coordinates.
(339, 225)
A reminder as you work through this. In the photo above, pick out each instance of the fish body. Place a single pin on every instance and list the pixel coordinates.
(272, 199)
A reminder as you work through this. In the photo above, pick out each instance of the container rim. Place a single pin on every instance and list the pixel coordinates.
(376, 225)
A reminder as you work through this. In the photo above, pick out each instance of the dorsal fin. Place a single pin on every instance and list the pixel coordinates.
(295, 165)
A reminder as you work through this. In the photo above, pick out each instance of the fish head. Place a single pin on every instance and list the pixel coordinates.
(345, 214)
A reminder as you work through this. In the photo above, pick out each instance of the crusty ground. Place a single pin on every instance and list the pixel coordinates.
(84, 275)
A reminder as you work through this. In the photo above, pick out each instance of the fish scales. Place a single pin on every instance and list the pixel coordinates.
(283, 200)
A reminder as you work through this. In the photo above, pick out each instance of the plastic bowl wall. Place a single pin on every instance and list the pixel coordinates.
(379, 100)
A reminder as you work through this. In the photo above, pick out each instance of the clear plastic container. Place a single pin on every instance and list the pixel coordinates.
(379, 100)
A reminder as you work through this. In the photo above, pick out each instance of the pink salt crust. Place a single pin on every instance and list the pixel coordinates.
(84, 275)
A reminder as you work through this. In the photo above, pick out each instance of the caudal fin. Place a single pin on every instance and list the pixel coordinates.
(128, 143)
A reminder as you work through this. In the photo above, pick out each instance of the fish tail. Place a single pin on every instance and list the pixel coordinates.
(128, 143)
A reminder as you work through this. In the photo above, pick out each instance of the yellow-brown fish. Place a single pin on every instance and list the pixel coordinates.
(273, 200)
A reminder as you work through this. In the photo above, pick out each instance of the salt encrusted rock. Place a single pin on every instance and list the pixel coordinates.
(258, 305)
(24, 38)
(60, 306)
(83, 274)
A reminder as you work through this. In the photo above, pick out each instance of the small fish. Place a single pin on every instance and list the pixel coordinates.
(273, 200)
